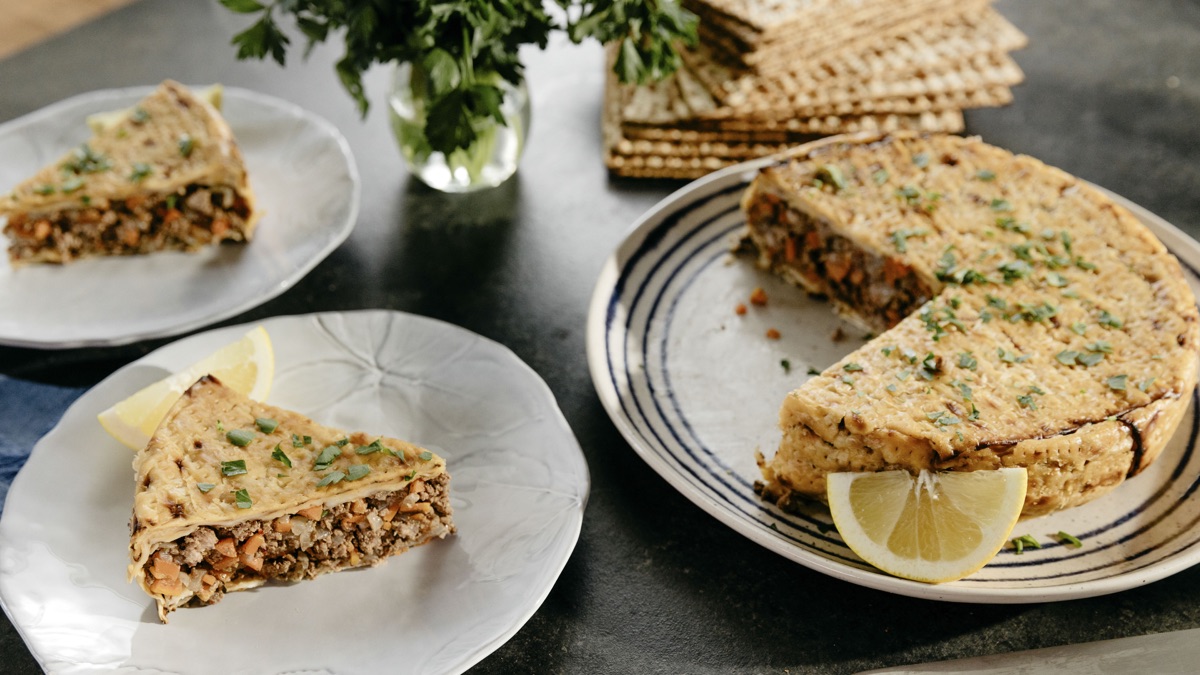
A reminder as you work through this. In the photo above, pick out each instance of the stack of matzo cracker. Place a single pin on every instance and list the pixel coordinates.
(768, 74)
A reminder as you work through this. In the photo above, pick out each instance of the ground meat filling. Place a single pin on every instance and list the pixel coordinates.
(301, 546)
(806, 251)
(198, 216)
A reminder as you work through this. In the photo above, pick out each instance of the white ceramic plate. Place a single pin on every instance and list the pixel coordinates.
(518, 488)
(307, 185)
(696, 390)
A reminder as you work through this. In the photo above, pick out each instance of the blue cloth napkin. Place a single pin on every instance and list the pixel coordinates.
(27, 411)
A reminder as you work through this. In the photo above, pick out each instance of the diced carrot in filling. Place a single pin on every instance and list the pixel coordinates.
(837, 267)
(164, 568)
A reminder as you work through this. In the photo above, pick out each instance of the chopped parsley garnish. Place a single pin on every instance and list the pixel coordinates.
(967, 360)
(949, 271)
(909, 194)
(1079, 328)
(931, 365)
(140, 171)
(974, 413)
(1001, 205)
(139, 115)
(880, 177)
(1117, 382)
(341, 441)
(235, 468)
(942, 418)
(1144, 385)
(1010, 357)
(71, 184)
(1056, 280)
(172, 200)
(1011, 225)
(1109, 321)
(331, 478)
(240, 437)
(1069, 539)
(323, 460)
(426, 456)
(375, 446)
(44, 189)
(998, 303)
(852, 367)
(1025, 541)
(86, 160)
(1084, 265)
(281, 457)
(205, 487)
(1022, 251)
(242, 497)
(986, 175)
(297, 442)
(186, 145)
(1015, 270)
(1100, 346)
(891, 388)
(1090, 359)
(357, 471)
(1034, 389)
(813, 371)
(1027, 401)
(220, 427)
(831, 174)
(964, 389)
(266, 424)
(921, 160)
(1033, 313)
(1067, 357)
(900, 238)
(786, 365)
(411, 475)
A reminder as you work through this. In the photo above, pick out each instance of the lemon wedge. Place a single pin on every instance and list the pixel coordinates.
(247, 366)
(933, 527)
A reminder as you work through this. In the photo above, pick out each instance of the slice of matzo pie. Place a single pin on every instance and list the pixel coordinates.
(232, 493)
(166, 174)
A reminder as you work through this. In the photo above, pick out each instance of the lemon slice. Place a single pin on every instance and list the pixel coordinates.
(247, 366)
(933, 527)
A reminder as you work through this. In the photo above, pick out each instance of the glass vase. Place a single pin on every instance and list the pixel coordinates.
(488, 162)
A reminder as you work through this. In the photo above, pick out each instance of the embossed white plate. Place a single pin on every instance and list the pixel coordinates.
(696, 389)
(518, 487)
(306, 182)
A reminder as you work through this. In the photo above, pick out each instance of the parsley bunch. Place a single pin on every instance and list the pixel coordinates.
(455, 42)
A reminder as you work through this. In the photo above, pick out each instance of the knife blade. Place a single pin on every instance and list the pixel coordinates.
(1170, 653)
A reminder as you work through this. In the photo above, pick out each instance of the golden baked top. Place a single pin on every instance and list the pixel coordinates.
(170, 139)
(1053, 307)
(220, 458)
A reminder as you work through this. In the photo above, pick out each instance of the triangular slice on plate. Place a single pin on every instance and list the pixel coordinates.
(232, 493)
(166, 174)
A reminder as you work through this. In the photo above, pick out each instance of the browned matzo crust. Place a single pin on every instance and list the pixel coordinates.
(211, 516)
(166, 175)
(1026, 319)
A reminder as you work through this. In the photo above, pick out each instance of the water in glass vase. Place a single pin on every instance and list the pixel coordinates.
(488, 162)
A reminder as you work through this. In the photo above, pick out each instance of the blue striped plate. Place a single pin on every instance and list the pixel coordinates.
(695, 389)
